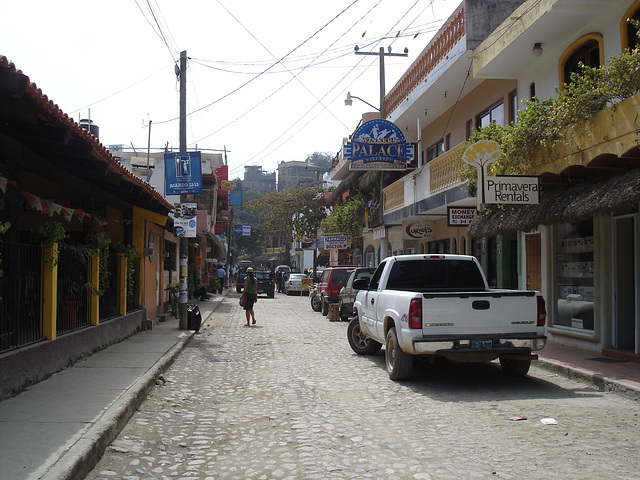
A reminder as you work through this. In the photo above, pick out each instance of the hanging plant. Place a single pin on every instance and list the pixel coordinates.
(130, 257)
(51, 233)
(541, 124)
(101, 244)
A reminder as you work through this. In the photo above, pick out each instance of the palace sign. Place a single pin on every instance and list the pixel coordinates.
(378, 145)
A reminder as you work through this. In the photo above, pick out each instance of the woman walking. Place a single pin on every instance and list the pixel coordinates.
(251, 289)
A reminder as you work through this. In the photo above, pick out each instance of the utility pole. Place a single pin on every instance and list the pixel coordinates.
(184, 246)
(384, 244)
(381, 54)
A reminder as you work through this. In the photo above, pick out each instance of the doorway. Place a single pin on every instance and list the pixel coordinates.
(533, 262)
(626, 329)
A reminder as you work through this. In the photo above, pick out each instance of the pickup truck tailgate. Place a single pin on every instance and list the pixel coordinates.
(479, 313)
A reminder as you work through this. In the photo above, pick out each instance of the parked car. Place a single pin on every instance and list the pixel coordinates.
(328, 289)
(348, 293)
(295, 284)
(266, 284)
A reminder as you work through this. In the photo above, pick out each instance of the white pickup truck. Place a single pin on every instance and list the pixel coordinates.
(441, 306)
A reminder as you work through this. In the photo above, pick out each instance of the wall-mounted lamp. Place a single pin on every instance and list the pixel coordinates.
(537, 49)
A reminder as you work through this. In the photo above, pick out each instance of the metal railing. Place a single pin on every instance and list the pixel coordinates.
(20, 306)
(73, 293)
(133, 302)
(109, 297)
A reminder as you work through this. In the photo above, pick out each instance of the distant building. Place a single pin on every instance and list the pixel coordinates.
(292, 174)
(257, 180)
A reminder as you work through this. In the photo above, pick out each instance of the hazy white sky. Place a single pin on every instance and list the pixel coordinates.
(266, 79)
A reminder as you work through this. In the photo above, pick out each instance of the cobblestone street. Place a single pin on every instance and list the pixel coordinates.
(288, 399)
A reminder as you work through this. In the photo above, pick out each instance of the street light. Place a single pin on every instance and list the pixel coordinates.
(348, 101)
(381, 54)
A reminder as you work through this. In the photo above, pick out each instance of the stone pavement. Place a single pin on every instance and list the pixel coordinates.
(59, 428)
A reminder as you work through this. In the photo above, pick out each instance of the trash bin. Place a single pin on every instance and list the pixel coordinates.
(194, 318)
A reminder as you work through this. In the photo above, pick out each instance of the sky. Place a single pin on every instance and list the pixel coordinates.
(266, 80)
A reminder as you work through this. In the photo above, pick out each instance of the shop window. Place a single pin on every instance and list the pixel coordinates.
(440, 246)
(495, 114)
(574, 275)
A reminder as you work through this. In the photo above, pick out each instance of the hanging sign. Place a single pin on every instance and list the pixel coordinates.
(513, 189)
(183, 173)
(378, 145)
(335, 242)
(235, 198)
(184, 221)
(417, 230)
(460, 216)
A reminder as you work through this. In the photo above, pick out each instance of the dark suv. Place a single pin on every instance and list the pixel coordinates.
(328, 289)
(348, 293)
(265, 283)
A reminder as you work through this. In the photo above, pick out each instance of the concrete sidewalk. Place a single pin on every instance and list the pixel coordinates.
(59, 428)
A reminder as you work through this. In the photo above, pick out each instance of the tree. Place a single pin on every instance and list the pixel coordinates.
(293, 213)
(322, 160)
(345, 217)
(254, 245)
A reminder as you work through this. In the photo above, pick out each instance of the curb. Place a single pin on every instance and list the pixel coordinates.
(604, 384)
(81, 457)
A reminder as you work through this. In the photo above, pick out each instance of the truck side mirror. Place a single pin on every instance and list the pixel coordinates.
(361, 284)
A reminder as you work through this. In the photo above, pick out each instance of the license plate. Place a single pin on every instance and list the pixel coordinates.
(480, 344)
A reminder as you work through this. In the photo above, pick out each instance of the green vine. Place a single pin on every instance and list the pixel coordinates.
(102, 243)
(541, 124)
(130, 257)
(345, 217)
(52, 233)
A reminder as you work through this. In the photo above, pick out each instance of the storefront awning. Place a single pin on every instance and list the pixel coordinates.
(218, 247)
(567, 203)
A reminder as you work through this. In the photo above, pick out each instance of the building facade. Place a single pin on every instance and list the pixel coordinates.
(579, 245)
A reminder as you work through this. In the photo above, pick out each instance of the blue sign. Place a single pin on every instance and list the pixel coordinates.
(378, 145)
(183, 173)
(242, 230)
(235, 198)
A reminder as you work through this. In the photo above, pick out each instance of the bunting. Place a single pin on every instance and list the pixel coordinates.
(48, 207)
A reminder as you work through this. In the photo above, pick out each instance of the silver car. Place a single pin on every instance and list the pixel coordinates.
(295, 284)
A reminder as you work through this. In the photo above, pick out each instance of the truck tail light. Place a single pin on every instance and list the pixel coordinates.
(542, 311)
(415, 313)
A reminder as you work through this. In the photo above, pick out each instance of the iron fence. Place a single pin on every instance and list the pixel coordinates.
(73, 291)
(109, 298)
(133, 302)
(20, 286)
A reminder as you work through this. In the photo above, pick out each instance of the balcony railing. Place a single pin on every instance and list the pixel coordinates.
(444, 171)
(435, 52)
(393, 196)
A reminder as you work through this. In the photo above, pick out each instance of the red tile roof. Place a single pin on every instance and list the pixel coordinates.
(98, 150)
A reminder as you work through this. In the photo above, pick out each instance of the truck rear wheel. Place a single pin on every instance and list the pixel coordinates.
(399, 364)
(359, 342)
(515, 367)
